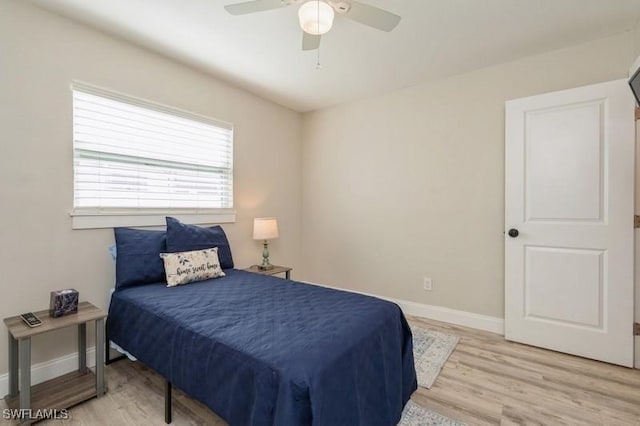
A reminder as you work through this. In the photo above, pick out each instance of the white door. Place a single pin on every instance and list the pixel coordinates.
(569, 241)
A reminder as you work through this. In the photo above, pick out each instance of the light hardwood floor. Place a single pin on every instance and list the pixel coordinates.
(487, 381)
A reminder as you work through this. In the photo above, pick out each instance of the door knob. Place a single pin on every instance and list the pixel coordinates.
(513, 232)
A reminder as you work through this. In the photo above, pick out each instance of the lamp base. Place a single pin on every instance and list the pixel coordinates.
(265, 266)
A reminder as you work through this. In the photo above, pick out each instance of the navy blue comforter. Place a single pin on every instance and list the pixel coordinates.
(261, 350)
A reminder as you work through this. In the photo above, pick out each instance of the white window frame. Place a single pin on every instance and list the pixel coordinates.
(83, 218)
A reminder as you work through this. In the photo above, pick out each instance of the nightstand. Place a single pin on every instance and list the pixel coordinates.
(64, 391)
(276, 270)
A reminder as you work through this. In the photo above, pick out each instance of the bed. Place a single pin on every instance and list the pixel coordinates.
(261, 350)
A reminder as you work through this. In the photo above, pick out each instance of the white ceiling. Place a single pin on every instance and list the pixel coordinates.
(262, 52)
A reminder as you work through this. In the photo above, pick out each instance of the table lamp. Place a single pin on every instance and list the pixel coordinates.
(265, 228)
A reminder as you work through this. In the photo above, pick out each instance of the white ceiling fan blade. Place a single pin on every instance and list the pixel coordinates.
(372, 16)
(310, 41)
(254, 6)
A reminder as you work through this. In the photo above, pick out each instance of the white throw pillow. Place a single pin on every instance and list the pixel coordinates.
(188, 266)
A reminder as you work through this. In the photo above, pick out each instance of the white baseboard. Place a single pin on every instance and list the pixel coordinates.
(439, 313)
(452, 316)
(50, 369)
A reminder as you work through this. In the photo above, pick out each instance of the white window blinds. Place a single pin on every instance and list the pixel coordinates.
(133, 155)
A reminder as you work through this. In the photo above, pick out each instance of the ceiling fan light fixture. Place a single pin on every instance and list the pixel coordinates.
(316, 17)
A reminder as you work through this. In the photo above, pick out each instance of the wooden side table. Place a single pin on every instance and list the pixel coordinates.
(60, 392)
(276, 270)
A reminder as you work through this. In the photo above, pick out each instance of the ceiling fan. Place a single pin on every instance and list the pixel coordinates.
(316, 16)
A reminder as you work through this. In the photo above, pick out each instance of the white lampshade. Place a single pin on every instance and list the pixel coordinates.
(316, 17)
(265, 228)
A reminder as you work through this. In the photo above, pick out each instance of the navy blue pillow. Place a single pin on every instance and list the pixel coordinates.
(138, 261)
(183, 237)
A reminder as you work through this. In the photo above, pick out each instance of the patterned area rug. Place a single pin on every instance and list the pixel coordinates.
(415, 415)
(431, 349)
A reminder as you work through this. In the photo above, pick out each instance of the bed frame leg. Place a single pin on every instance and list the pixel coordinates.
(167, 402)
(107, 349)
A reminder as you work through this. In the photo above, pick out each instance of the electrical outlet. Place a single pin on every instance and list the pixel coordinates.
(427, 284)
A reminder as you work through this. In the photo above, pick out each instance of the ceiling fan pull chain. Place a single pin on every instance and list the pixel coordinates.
(318, 66)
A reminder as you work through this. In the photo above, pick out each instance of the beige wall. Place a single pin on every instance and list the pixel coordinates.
(411, 183)
(636, 40)
(40, 53)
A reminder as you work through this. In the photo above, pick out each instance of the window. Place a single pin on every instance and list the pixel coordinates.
(143, 160)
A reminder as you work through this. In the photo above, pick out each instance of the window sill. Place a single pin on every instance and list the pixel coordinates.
(86, 220)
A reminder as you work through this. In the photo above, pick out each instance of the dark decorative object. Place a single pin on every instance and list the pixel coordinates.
(634, 83)
(63, 302)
